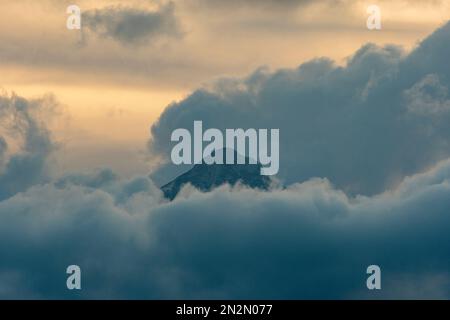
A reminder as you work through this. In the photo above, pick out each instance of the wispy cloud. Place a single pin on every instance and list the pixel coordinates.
(133, 26)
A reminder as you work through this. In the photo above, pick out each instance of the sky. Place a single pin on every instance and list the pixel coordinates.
(107, 80)
(85, 123)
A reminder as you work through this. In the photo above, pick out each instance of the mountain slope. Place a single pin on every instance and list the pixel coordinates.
(206, 177)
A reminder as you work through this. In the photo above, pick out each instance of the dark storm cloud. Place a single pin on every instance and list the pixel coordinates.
(133, 26)
(357, 125)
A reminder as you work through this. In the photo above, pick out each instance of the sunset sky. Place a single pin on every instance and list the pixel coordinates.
(86, 118)
(111, 87)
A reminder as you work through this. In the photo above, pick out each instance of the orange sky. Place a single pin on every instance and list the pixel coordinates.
(111, 92)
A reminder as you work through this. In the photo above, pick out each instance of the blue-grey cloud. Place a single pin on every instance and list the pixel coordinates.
(382, 117)
(21, 119)
(307, 241)
(133, 26)
(310, 240)
(361, 125)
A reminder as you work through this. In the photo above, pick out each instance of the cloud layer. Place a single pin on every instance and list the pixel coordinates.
(23, 121)
(374, 123)
(133, 26)
(364, 126)
(309, 241)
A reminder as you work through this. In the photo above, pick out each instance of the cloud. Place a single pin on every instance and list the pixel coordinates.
(260, 5)
(23, 121)
(310, 240)
(428, 96)
(253, 3)
(356, 125)
(345, 128)
(3, 148)
(163, 60)
(307, 241)
(133, 26)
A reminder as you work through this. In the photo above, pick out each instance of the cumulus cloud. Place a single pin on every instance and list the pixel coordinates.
(428, 96)
(356, 125)
(345, 128)
(307, 241)
(23, 121)
(133, 26)
(310, 240)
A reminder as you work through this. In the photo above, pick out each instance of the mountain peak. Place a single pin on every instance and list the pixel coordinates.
(206, 177)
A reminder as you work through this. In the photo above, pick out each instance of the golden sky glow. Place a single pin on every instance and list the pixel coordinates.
(111, 92)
